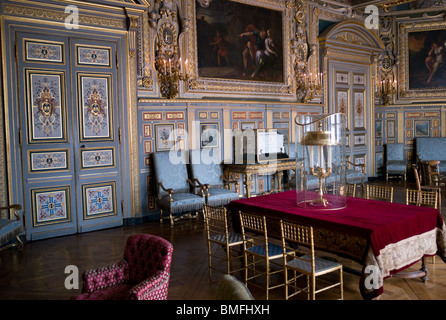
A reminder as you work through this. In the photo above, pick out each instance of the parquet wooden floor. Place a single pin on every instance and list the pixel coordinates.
(37, 272)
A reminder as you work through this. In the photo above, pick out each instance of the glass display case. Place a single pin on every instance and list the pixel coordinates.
(321, 161)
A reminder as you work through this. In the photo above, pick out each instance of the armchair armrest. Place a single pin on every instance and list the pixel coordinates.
(153, 288)
(95, 279)
(204, 188)
(15, 207)
(227, 181)
(169, 191)
(358, 165)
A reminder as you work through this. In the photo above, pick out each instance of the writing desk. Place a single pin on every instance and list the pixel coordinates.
(275, 168)
(385, 238)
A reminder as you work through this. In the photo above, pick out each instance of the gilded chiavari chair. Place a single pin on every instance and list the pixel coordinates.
(350, 189)
(383, 193)
(223, 245)
(302, 262)
(262, 252)
(431, 188)
(422, 198)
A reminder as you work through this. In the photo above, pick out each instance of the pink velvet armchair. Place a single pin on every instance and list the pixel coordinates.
(143, 273)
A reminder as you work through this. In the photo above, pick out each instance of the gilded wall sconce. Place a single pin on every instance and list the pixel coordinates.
(170, 72)
(387, 88)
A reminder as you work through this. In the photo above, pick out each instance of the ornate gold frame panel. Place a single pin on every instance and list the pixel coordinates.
(246, 87)
(408, 92)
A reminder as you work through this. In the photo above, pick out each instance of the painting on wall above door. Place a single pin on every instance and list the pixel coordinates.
(239, 41)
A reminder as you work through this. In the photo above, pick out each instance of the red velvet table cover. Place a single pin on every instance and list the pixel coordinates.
(397, 235)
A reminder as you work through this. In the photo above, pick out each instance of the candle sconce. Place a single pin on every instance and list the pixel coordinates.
(308, 86)
(321, 161)
(387, 88)
(170, 72)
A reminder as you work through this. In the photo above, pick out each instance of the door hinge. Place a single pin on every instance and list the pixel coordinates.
(119, 135)
(122, 206)
(117, 61)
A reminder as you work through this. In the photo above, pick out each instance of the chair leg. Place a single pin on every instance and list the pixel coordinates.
(313, 288)
(20, 243)
(210, 261)
(341, 285)
(267, 278)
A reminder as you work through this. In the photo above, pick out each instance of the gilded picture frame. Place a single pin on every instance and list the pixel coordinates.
(226, 27)
(415, 43)
(165, 136)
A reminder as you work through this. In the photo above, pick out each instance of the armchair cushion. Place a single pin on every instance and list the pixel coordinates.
(9, 229)
(396, 167)
(209, 172)
(219, 197)
(181, 202)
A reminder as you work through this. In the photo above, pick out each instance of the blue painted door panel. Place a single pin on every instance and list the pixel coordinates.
(70, 135)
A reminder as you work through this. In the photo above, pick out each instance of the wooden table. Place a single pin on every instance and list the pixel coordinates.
(275, 168)
(385, 238)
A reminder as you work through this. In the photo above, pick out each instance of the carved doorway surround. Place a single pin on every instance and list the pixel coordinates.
(349, 53)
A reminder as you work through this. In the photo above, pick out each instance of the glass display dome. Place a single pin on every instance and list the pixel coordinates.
(321, 161)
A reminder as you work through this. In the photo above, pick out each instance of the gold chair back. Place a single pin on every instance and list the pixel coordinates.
(350, 189)
(261, 252)
(301, 260)
(383, 193)
(220, 237)
(422, 198)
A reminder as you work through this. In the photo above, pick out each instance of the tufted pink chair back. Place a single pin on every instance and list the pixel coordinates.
(146, 255)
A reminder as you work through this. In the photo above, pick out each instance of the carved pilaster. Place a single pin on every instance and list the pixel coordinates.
(134, 24)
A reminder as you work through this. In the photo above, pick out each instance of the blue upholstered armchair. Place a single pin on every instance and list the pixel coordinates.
(207, 174)
(173, 189)
(395, 164)
(10, 228)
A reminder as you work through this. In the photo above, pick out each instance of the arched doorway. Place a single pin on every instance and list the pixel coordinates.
(349, 53)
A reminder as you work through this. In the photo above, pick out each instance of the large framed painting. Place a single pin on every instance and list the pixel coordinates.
(241, 48)
(423, 51)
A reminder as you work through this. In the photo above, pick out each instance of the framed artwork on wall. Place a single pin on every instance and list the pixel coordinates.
(165, 139)
(390, 129)
(209, 135)
(378, 128)
(421, 128)
(239, 48)
(422, 48)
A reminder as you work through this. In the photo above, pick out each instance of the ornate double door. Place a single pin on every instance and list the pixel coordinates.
(70, 135)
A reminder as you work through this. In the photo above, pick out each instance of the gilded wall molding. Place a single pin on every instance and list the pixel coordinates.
(60, 16)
